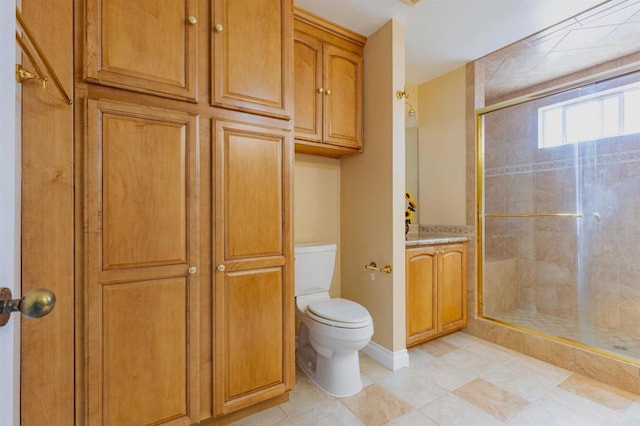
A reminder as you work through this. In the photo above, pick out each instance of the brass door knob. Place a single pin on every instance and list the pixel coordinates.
(320, 90)
(221, 268)
(327, 92)
(192, 20)
(192, 270)
(219, 28)
(35, 304)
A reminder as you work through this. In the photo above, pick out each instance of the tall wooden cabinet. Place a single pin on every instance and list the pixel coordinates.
(436, 291)
(185, 246)
(328, 67)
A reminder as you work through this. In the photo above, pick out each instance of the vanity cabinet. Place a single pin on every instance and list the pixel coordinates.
(436, 291)
(252, 53)
(328, 87)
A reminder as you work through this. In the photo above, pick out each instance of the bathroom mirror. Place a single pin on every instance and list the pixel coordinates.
(411, 166)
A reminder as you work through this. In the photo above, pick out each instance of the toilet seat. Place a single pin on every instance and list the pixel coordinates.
(339, 313)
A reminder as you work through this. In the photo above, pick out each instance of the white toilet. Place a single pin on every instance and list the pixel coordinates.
(332, 331)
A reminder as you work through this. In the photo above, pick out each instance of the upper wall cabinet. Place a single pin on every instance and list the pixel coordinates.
(328, 72)
(143, 46)
(252, 56)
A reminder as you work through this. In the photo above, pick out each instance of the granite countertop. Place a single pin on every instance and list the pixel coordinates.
(427, 238)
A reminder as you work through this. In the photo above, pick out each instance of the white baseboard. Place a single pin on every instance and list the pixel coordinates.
(392, 360)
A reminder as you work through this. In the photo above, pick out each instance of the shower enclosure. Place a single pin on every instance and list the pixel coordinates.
(560, 215)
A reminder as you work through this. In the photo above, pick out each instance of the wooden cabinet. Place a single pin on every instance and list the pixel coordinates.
(254, 314)
(252, 54)
(436, 291)
(142, 46)
(141, 211)
(328, 87)
(164, 337)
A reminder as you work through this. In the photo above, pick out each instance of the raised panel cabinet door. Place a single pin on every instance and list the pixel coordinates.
(252, 56)
(452, 288)
(308, 89)
(343, 100)
(253, 282)
(141, 244)
(421, 279)
(145, 46)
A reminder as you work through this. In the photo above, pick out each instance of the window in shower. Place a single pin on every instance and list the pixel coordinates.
(560, 225)
(608, 113)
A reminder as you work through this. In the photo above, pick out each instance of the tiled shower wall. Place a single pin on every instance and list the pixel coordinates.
(567, 268)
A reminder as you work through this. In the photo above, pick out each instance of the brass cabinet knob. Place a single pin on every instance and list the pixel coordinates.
(219, 28)
(328, 92)
(192, 20)
(221, 268)
(35, 304)
(192, 270)
(320, 90)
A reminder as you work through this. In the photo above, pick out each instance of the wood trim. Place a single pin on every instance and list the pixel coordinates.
(309, 18)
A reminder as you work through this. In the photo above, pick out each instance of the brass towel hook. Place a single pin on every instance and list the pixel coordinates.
(23, 75)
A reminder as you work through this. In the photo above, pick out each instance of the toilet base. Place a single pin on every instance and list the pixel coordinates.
(338, 375)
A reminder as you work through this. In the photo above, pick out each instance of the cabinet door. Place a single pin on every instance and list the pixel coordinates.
(253, 323)
(452, 287)
(141, 323)
(142, 45)
(309, 92)
(252, 56)
(343, 97)
(421, 279)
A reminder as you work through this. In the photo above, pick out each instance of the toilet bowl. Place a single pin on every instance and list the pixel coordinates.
(332, 331)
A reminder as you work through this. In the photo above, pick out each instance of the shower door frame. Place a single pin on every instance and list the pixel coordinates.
(480, 214)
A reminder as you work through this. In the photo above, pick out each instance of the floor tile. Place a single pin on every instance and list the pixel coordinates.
(271, 416)
(437, 347)
(306, 395)
(412, 388)
(453, 411)
(444, 374)
(521, 380)
(495, 400)
(376, 406)
(413, 418)
(331, 412)
(601, 393)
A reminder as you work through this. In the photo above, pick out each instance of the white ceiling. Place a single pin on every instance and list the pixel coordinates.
(442, 35)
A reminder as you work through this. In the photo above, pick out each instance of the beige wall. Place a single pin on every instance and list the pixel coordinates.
(372, 188)
(317, 205)
(442, 197)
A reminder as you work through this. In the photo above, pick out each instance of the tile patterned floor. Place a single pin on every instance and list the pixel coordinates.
(459, 380)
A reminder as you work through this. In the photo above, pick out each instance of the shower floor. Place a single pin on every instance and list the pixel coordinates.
(607, 340)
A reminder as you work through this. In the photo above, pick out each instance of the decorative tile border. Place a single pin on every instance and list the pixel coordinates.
(586, 160)
(466, 230)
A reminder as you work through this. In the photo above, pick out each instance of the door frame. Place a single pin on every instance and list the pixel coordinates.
(10, 169)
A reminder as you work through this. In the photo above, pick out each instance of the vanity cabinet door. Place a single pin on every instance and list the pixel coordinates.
(452, 287)
(253, 283)
(144, 46)
(421, 268)
(252, 56)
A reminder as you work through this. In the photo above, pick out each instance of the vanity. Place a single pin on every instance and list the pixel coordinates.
(436, 285)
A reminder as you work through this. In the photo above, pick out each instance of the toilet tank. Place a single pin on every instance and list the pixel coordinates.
(314, 267)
